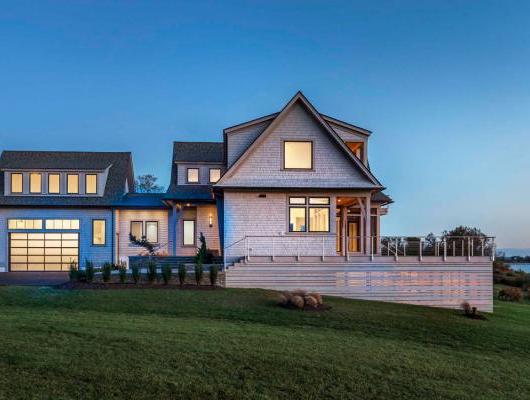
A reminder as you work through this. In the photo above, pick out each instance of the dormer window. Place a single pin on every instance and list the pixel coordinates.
(91, 183)
(298, 155)
(54, 181)
(357, 148)
(215, 175)
(16, 183)
(72, 183)
(35, 182)
(192, 175)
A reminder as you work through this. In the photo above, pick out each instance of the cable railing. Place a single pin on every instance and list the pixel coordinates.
(326, 245)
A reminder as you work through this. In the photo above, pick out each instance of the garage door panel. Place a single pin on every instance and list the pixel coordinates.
(43, 251)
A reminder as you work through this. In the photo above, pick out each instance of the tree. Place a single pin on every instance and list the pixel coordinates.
(147, 184)
(202, 251)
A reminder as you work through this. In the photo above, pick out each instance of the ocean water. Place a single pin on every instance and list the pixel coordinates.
(524, 267)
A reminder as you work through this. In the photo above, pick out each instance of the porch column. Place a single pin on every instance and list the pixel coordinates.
(174, 214)
(344, 229)
(368, 224)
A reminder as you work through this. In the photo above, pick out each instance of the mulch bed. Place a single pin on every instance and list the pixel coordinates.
(121, 286)
(322, 307)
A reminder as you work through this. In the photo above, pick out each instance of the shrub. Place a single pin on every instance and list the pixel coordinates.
(151, 272)
(317, 297)
(73, 272)
(182, 274)
(466, 307)
(283, 300)
(199, 271)
(135, 272)
(89, 270)
(203, 250)
(166, 273)
(511, 294)
(214, 272)
(106, 272)
(297, 301)
(122, 270)
(310, 301)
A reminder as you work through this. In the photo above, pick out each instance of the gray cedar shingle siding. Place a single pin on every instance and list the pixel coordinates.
(263, 167)
(238, 141)
(120, 170)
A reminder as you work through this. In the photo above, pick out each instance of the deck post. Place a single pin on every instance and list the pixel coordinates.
(445, 249)
(421, 249)
(323, 248)
(368, 223)
(272, 258)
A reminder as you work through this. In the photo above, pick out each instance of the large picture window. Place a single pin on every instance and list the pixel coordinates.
(35, 182)
(54, 181)
(98, 232)
(151, 231)
(309, 214)
(137, 229)
(16, 183)
(298, 155)
(188, 237)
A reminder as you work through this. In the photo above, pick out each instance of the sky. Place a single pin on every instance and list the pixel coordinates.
(443, 85)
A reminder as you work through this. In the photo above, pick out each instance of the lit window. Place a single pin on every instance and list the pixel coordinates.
(357, 149)
(318, 219)
(319, 200)
(215, 175)
(91, 184)
(137, 229)
(297, 219)
(24, 224)
(16, 183)
(54, 183)
(193, 175)
(62, 224)
(189, 233)
(151, 231)
(297, 155)
(296, 200)
(35, 183)
(98, 232)
(72, 183)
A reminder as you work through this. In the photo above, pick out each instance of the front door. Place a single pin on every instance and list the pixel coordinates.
(353, 237)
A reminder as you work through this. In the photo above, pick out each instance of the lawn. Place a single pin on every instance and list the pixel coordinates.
(136, 344)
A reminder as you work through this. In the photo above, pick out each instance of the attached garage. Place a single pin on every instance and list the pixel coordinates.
(43, 251)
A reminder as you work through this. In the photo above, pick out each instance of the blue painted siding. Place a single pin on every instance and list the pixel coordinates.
(97, 254)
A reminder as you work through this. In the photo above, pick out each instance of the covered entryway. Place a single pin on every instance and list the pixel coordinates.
(43, 251)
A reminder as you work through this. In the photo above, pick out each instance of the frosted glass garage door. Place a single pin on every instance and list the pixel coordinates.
(43, 251)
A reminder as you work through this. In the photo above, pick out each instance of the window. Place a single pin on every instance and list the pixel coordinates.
(297, 219)
(215, 175)
(72, 183)
(151, 231)
(137, 229)
(318, 219)
(24, 224)
(54, 183)
(35, 182)
(16, 183)
(309, 214)
(98, 232)
(91, 184)
(188, 237)
(62, 224)
(357, 148)
(298, 155)
(192, 175)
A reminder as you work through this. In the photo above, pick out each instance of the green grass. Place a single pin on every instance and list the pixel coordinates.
(58, 344)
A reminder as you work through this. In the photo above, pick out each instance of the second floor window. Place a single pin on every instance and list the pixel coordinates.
(35, 182)
(215, 175)
(72, 183)
(357, 148)
(16, 183)
(298, 155)
(54, 183)
(192, 175)
(91, 183)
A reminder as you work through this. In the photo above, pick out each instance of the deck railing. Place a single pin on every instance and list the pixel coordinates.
(325, 245)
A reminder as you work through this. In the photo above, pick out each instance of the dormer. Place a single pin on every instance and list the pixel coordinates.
(197, 163)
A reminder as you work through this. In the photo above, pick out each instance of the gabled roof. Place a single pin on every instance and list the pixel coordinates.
(299, 97)
(198, 152)
(119, 164)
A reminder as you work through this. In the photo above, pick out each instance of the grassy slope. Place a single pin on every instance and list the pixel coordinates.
(237, 344)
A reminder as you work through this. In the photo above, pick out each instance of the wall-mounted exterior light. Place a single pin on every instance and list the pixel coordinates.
(210, 220)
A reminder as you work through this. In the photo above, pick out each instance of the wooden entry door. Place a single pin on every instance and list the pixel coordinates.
(353, 237)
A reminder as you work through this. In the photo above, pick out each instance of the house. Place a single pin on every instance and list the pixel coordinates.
(288, 200)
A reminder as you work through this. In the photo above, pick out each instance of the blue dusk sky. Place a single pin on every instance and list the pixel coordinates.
(444, 86)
